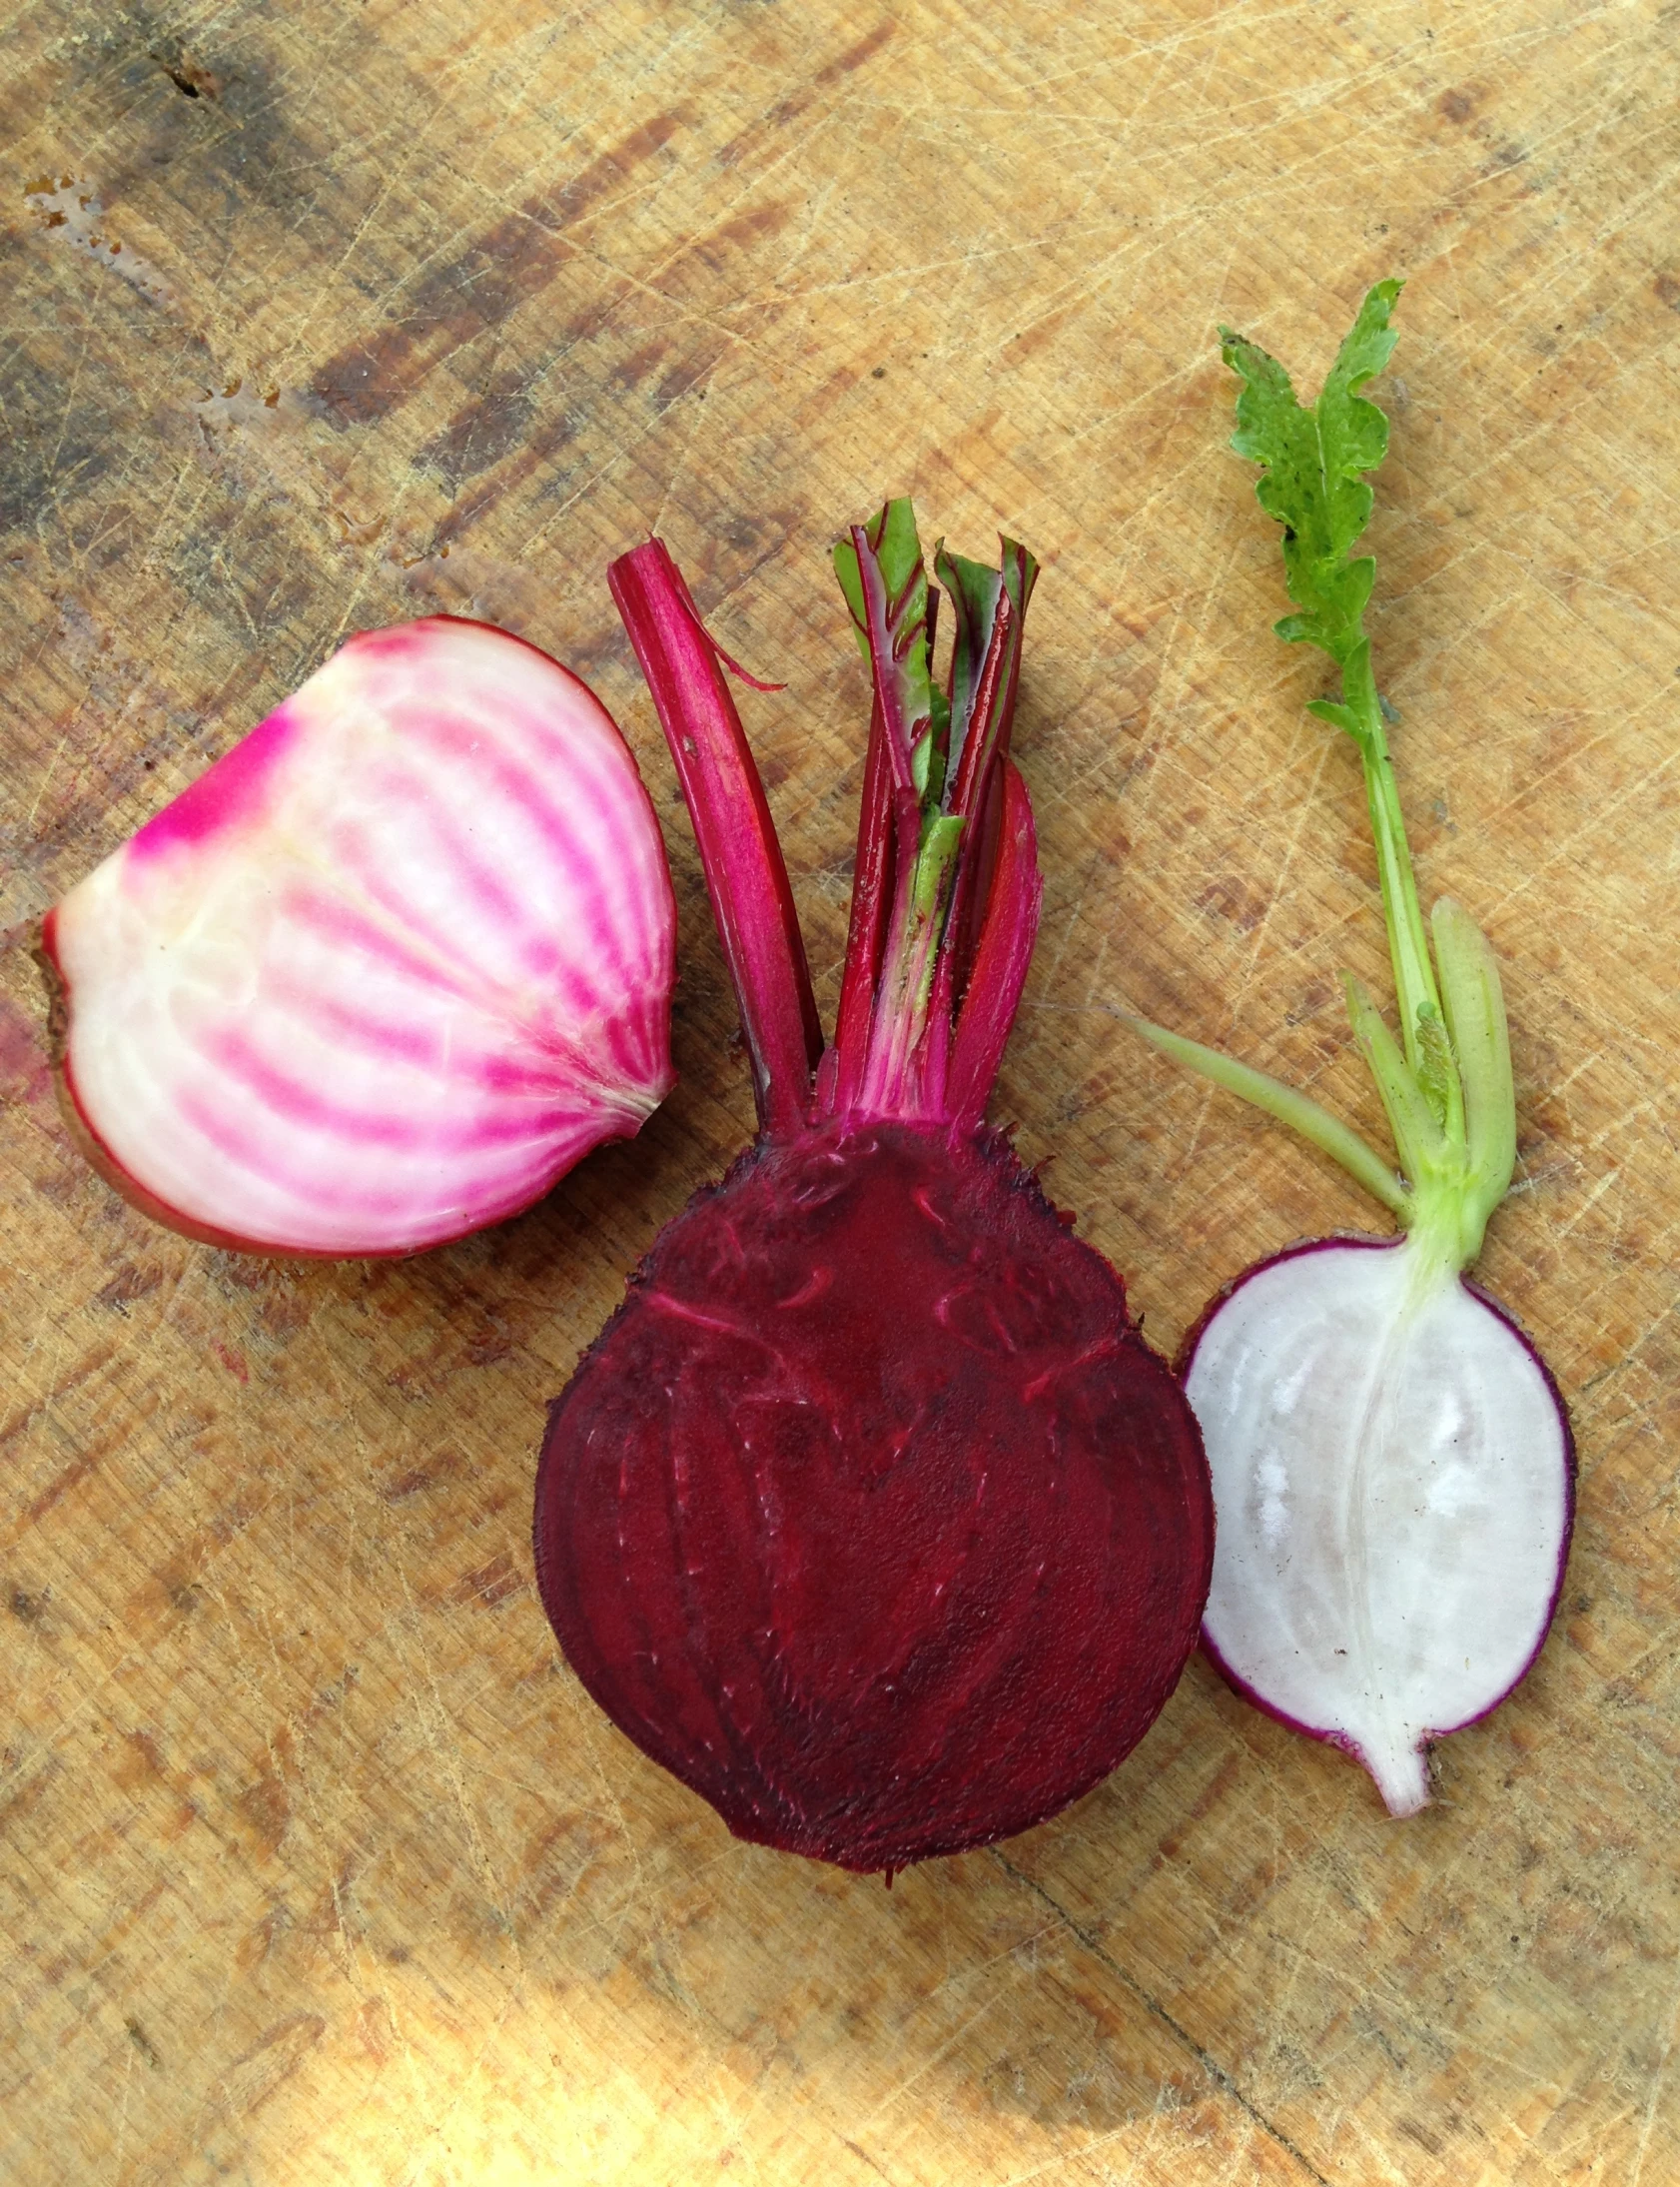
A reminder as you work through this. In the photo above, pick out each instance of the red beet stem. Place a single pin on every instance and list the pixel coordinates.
(841, 1081)
(746, 878)
(898, 631)
(1000, 963)
(946, 890)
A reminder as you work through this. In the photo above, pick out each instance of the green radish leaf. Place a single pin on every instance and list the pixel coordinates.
(1315, 461)
(1339, 716)
(1435, 1060)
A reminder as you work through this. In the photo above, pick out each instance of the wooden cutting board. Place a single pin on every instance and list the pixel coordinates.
(315, 1864)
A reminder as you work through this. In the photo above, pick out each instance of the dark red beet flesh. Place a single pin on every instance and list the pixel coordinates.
(868, 1515)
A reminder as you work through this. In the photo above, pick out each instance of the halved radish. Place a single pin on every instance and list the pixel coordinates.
(1393, 1475)
(1393, 1466)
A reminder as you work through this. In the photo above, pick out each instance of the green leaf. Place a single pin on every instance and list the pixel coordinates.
(922, 764)
(898, 548)
(1328, 710)
(879, 567)
(1020, 575)
(1315, 460)
(1437, 1079)
(1447, 1092)
(940, 838)
(851, 583)
(897, 552)
(973, 591)
(1352, 433)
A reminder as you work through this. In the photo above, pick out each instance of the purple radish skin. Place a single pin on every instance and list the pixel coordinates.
(869, 1514)
(1393, 1464)
(385, 971)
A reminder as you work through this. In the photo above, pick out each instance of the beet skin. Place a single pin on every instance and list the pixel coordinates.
(868, 1515)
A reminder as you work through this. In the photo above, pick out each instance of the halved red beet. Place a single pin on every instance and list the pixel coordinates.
(387, 969)
(869, 1514)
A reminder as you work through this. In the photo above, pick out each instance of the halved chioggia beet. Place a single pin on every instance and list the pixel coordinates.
(387, 970)
(1393, 1464)
(869, 1514)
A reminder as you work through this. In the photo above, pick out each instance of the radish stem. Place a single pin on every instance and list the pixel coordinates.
(1445, 1084)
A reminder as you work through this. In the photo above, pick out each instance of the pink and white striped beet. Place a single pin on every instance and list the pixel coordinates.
(388, 969)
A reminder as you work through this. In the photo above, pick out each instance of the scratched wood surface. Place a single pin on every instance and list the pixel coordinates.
(315, 1862)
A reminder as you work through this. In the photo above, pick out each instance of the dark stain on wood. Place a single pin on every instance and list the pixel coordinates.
(221, 118)
(847, 63)
(141, 1763)
(267, 1809)
(480, 433)
(788, 110)
(17, 1804)
(132, 1281)
(753, 226)
(1233, 899)
(681, 380)
(143, 2043)
(233, 1360)
(189, 76)
(612, 167)
(25, 1072)
(83, 1372)
(1223, 1779)
(61, 437)
(541, 445)
(631, 370)
(473, 291)
(448, 1465)
(490, 1584)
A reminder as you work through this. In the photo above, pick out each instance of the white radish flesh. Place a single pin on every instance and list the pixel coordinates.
(390, 969)
(1392, 1472)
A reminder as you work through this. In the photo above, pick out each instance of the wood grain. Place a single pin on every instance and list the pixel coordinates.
(316, 1864)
